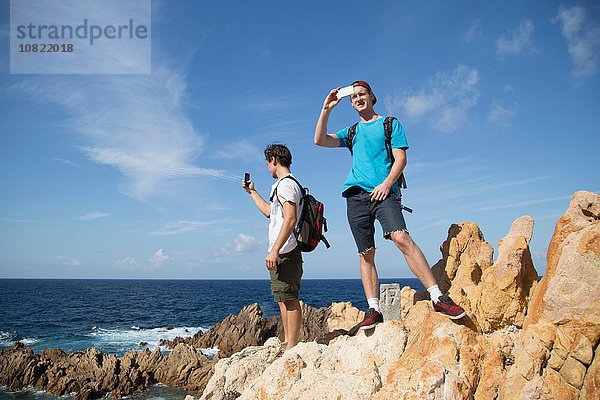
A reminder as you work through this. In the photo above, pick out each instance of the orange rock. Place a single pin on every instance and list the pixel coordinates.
(465, 255)
(583, 212)
(506, 286)
(591, 383)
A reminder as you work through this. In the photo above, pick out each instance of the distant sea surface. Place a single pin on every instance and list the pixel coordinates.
(115, 316)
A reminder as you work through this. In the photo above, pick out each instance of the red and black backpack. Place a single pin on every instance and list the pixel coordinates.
(311, 221)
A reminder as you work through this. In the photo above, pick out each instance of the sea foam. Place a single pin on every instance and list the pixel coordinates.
(131, 339)
(8, 338)
(211, 352)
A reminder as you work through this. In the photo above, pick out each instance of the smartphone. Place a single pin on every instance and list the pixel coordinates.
(345, 91)
(247, 178)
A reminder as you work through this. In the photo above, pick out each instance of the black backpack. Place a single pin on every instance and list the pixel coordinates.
(387, 127)
(311, 222)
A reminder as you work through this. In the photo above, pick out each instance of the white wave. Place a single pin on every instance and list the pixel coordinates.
(29, 341)
(27, 391)
(131, 338)
(7, 338)
(40, 393)
(210, 352)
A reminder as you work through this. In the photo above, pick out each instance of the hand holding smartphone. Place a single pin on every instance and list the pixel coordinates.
(345, 91)
(246, 179)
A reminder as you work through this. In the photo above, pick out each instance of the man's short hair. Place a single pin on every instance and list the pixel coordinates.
(280, 153)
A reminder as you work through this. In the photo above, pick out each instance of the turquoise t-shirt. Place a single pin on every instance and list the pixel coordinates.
(370, 162)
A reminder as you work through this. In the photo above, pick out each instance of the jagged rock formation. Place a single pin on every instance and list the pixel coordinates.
(91, 374)
(234, 333)
(555, 356)
(349, 368)
(495, 295)
(520, 340)
(248, 328)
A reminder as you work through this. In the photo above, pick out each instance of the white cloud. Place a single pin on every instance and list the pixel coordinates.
(261, 48)
(501, 115)
(23, 221)
(242, 244)
(134, 123)
(445, 100)
(468, 182)
(185, 226)
(242, 150)
(68, 261)
(127, 262)
(523, 203)
(583, 40)
(280, 104)
(159, 258)
(66, 162)
(517, 41)
(474, 33)
(221, 206)
(93, 215)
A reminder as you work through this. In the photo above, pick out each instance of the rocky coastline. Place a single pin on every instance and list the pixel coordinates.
(92, 374)
(521, 339)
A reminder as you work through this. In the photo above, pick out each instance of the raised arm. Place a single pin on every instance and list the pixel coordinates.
(322, 138)
(261, 204)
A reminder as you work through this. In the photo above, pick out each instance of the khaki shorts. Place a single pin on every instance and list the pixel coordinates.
(286, 279)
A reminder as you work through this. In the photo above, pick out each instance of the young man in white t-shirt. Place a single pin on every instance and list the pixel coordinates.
(284, 259)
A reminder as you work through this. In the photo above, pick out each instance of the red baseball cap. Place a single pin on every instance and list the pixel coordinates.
(365, 85)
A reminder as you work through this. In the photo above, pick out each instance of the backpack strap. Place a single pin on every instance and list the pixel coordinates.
(303, 190)
(387, 126)
(351, 134)
(327, 245)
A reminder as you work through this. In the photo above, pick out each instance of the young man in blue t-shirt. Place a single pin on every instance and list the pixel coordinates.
(372, 192)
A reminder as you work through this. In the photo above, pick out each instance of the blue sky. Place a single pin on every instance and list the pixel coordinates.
(137, 176)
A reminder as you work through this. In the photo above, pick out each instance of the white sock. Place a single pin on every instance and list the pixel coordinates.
(435, 293)
(374, 303)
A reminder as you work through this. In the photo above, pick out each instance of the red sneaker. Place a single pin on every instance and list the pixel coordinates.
(446, 306)
(372, 318)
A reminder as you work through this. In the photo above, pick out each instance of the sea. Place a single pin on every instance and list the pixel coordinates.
(116, 316)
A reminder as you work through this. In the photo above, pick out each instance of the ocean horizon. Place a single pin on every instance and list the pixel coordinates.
(115, 315)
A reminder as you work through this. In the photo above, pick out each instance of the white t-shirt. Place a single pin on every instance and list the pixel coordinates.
(287, 190)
